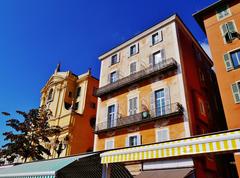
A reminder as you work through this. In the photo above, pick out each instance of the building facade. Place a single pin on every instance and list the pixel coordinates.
(71, 99)
(221, 23)
(158, 86)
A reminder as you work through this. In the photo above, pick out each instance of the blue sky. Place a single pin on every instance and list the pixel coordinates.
(36, 35)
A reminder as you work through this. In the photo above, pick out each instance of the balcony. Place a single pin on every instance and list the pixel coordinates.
(162, 67)
(139, 118)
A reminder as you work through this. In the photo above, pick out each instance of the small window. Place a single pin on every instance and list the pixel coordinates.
(229, 32)
(156, 37)
(113, 77)
(202, 107)
(114, 59)
(162, 135)
(50, 94)
(236, 92)
(76, 105)
(232, 60)
(70, 94)
(133, 106)
(133, 68)
(133, 49)
(78, 92)
(223, 12)
(133, 140)
(109, 144)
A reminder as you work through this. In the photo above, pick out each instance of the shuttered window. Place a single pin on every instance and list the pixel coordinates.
(133, 106)
(232, 60)
(229, 31)
(114, 59)
(133, 140)
(236, 92)
(109, 144)
(134, 49)
(133, 67)
(162, 135)
(223, 12)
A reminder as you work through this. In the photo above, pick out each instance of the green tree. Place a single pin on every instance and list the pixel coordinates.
(28, 137)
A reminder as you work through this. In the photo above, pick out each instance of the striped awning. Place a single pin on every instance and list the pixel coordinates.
(39, 169)
(212, 143)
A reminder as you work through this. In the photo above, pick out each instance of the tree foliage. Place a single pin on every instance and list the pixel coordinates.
(28, 137)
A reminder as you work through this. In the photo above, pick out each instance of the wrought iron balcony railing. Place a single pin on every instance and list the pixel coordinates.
(139, 118)
(161, 67)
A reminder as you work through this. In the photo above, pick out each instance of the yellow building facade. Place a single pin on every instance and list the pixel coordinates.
(71, 99)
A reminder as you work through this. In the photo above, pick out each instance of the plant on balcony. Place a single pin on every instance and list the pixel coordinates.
(28, 135)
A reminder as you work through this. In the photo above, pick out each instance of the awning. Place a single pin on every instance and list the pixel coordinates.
(168, 173)
(39, 169)
(86, 166)
(212, 143)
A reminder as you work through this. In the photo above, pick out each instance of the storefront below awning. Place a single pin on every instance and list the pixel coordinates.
(85, 166)
(169, 173)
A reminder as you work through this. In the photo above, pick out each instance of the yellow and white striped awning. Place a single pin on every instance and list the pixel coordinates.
(221, 142)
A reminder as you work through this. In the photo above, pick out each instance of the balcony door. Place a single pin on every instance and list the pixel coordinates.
(160, 102)
(158, 57)
(133, 106)
(111, 116)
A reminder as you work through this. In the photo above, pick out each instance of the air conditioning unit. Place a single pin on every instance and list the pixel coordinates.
(145, 114)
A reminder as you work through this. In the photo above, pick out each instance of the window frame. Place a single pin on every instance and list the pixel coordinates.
(117, 59)
(137, 49)
(137, 135)
(107, 141)
(238, 87)
(157, 139)
(160, 37)
(224, 34)
(130, 72)
(238, 58)
(111, 73)
(228, 10)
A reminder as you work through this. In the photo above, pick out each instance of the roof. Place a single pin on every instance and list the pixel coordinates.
(199, 15)
(40, 168)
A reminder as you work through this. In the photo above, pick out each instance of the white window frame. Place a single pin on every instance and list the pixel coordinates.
(160, 37)
(107, 141)
(229, 14)
(118, 59)
(137, 49)
(110, 77)
(232, 59)
(237, 82)
(222, 32)
(133, 135)
(159, 130)
(131, 96)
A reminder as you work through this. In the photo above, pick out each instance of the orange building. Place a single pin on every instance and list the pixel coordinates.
(158, 86)
(71, 99)
(221, 23)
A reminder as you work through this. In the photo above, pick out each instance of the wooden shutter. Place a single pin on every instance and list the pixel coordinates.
(162, 135)
(127, 141)
(167, 100)
(117, 75)
(137, 47)
(139, 140)
(118, 57)
(163, 54)
(228, 61)
(160, 35)
(151, 60)
(236, 92)
(152, 104)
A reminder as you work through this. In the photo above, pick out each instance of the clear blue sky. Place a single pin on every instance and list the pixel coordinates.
(36, 35)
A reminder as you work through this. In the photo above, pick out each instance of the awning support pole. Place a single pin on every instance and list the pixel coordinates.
(106, 171)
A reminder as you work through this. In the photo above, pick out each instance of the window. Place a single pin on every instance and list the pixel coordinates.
(157, 57)
(133, 140)
(109, 144)
(50, 94)
(232, 60)
(160, 102)
(202, 107)
(156, 37)
(76, 106)
(133, 67)
(236, 92)
(78, 92)
(114, 59)
(162, 135)
(133, 106)
(229, 32)
(133, 49)
(223, 12)
(113, 77)
(111, 116)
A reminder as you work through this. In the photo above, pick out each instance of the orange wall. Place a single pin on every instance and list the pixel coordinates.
(218, 49)
(82, 136)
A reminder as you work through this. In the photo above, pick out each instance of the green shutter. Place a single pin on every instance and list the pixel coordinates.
(228, 62)
(236, 93)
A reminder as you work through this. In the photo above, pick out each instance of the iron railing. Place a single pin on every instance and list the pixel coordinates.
(161, 67)
(138, 118)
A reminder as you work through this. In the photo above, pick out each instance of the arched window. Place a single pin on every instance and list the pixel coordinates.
(50, 94)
